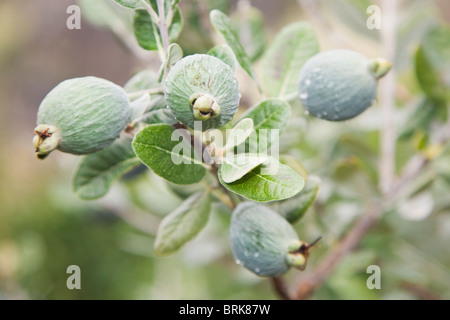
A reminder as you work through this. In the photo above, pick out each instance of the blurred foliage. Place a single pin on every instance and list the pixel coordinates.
(44, 228)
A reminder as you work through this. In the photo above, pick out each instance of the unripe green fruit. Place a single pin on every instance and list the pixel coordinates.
(202, 88)
(340, 84)
(264, 242)
(81, 116)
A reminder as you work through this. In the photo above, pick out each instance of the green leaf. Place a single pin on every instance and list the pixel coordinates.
(223, 25)
(145, 30)
(98, 13)
(176, 25)
(281, 64)
(97, 172)
(174, 54)
(419, 118)
(294, 164)
(249, 25)
(294, 209)
(271, 114)
(432, 64)
(144, 80)
(239, 133)
(235, 167)
(132, 4)
(429, 78)
(138, 106)
(353, 15)
(159, 148)
(224, 53)
(183, 224)
(159, 116)
(268, 182)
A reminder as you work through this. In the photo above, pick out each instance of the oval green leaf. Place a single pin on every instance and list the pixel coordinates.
(239, 133)
(224, 53)
(223, 25)
(160, 149)
(268, 182)
(146, 31)
(270, 114)
(294, 209)
(249, 25)
(183, 224)
(284, 59)
(98, 171)
(235, 167)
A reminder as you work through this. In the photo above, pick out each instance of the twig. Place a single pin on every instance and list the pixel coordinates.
(310, 282)
(162, 25)
(280, 287)
(420, 292)
(416, 164)
(151, 11)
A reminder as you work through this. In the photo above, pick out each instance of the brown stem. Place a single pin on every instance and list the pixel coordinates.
(280, 288)
(310, 282)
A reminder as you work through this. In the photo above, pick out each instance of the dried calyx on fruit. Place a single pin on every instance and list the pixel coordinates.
(202, 88)
(340, 84)
(264, 242)
(81, 116)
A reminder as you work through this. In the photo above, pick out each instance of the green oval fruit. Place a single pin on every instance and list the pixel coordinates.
(340, 84)
(264, 242)
(202, 88)
(81, 116)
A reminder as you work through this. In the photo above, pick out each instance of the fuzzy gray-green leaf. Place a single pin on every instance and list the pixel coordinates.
(98, 171)
(223, 25)
(183, 224)
(282, 63)
(295, 208)
(268, 115)
(224, 53)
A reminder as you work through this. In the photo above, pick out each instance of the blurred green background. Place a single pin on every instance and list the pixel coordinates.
(44, 228)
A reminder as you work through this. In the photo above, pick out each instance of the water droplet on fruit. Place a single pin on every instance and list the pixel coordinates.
(238, 262)
(306, 112)
(257, 270)
(256, 254)
(325, 113)
(307, 82)
(303, 96)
